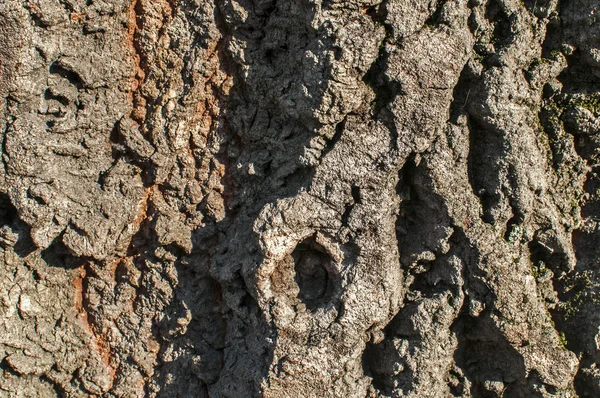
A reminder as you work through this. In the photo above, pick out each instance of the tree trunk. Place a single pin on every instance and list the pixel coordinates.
(300, 198)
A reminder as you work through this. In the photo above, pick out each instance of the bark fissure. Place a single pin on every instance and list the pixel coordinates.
(360, 198)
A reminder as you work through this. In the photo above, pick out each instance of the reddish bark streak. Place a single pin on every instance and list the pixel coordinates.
(98, 340)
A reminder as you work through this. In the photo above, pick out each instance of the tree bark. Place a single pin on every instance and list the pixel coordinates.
(299, 198)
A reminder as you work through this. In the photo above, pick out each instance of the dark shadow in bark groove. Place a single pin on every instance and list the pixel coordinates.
(493, 367)
(485, 362)
(13, 231)
(423, 217)
(8, 213)
(504, 23)
(193, 324)
(58, 255)
(385, 91)
(485, 146)
(419, 227)
(58, 68)
(461, 94)
(485, 149)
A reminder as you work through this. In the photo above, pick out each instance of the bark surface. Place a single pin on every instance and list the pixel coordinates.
(300, 198)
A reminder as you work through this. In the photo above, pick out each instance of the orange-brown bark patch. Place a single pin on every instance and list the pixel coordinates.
(98, 340)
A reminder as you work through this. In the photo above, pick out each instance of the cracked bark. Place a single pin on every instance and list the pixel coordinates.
(357, 198)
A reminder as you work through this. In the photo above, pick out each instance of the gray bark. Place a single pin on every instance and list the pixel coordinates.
(299, 198)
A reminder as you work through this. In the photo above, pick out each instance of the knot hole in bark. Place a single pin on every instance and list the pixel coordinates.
(312, 264)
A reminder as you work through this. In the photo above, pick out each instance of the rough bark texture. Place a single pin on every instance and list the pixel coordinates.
(300, 198)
